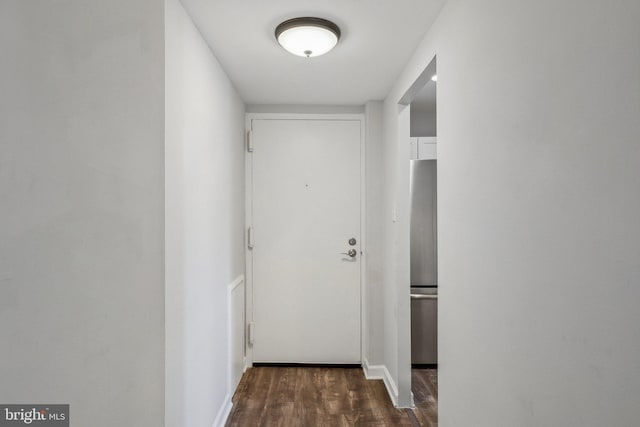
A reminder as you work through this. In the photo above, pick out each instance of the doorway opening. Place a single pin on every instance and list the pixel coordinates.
(423, 240)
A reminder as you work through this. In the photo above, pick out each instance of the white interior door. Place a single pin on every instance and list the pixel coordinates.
(305, 209)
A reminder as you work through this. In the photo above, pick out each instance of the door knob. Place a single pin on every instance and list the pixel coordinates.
(352, 253)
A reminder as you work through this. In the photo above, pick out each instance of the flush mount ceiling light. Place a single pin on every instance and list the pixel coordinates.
(308, 36)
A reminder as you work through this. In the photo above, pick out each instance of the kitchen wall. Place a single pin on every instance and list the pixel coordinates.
(423, 122)
(423, 110)
(81, 208)
(538, 163)
(204, 227)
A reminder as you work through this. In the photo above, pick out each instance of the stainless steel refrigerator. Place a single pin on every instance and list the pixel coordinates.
(424, 263)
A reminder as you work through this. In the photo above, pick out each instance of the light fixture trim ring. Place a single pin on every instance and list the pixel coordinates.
(307, 21)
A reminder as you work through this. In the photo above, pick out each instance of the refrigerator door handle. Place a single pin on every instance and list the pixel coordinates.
(421, 296)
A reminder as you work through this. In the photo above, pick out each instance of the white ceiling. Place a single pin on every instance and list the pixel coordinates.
(378, 38)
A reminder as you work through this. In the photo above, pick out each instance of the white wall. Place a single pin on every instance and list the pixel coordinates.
(374, 256)
(539, 171)
(396, 269)
(204, 223)
(81, 208)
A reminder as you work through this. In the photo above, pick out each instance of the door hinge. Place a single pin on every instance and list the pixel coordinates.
(250, 238)
(250, 141)
(250, 333)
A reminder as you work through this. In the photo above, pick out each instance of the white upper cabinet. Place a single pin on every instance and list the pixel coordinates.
(413, 148)
(423, 148)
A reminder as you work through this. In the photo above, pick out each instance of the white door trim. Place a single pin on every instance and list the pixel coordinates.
(249, 216)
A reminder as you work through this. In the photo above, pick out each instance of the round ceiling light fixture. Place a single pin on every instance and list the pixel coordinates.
(308, 36)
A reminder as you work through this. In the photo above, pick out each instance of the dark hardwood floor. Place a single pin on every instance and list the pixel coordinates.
(310, 397)
(424, 384)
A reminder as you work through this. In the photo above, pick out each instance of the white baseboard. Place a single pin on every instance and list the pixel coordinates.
(390, 384)
(380, 372)
(223, 412)
(372, 372)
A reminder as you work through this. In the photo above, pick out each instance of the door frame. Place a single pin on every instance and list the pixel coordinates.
(403, 132)
(248, 355)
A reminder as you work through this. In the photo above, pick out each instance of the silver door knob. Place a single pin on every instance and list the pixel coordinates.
(352, 253)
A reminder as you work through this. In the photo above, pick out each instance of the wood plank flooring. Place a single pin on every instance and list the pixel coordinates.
(310, 397)
(424, 384)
